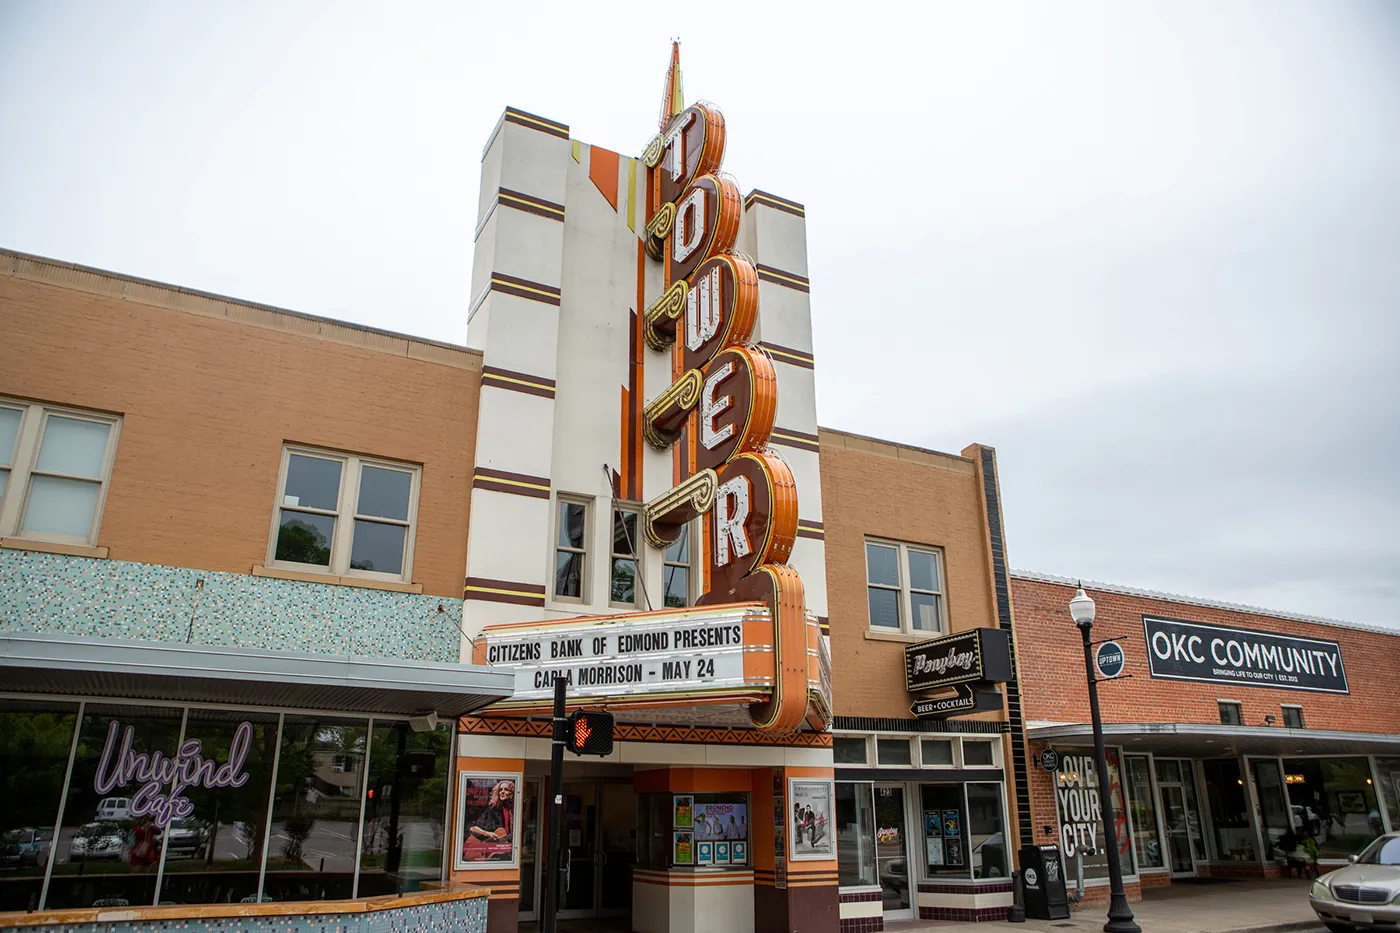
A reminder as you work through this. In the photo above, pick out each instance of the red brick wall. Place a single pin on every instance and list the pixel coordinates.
(1051, 665)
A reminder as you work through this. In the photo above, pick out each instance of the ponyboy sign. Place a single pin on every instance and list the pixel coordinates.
(1192, 651)
(983, 654)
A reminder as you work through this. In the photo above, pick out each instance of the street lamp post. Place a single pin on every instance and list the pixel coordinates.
(1120, 915)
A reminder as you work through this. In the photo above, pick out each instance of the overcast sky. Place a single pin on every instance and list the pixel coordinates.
(1149, 251)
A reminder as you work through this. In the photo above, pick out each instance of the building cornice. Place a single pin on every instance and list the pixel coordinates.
(830, 437)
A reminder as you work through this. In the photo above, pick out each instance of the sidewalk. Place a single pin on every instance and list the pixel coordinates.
(1180, 908)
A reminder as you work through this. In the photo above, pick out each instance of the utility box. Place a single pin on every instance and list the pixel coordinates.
(1043, 876)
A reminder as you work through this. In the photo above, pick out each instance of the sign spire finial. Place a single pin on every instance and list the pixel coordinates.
(672, 95)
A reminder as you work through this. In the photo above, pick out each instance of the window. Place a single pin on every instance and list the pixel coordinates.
(848, 751)
(345, 515)
(977, 754)
(1143, 807)
(855, 834)
(986, 832)
(893, 751)
(1229, 712)
(937, 752)
(570, 549)
(55, 464)
(904, 587)
(1293, 717)
(622, 574)
(677, 571)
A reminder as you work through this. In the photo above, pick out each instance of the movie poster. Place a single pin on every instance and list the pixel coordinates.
(704, 853)
(488, 820)
(811, 819)
(721, 821)
(683, 811)
(683, 848)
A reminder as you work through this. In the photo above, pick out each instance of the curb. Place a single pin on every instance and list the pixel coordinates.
(1279, 927)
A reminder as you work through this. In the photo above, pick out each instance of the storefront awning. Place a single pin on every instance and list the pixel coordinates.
(1201, 740)
(94, 667)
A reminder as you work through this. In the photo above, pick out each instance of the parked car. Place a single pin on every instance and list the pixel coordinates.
(1362, 893)
(114, 808)
(96, 840)
(34, 845)
(184, 839)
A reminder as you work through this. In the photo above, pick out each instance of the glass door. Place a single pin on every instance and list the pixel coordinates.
(617, 849)
(580, 841)
(1273, 809)
(600, 835)
(891, 851)
(529, 849)
(1181, 817)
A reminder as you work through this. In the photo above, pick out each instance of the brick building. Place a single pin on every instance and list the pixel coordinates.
(1241, 732)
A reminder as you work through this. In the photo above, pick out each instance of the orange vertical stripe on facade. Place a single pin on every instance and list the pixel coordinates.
(602, 171)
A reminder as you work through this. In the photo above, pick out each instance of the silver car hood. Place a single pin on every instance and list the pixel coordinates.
(1372, 876)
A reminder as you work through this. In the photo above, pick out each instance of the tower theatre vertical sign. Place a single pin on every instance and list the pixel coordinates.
(717, 414)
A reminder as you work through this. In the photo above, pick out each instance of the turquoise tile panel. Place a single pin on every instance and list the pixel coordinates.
(148, 602)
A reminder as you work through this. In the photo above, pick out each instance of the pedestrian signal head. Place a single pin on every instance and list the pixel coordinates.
(590, 732)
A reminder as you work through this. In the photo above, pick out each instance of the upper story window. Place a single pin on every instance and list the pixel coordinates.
(676, 570)
(1293, 717)
(623, 570)
(55, 464)
(1229, 712)
(570, 548)
(905, 587)
(345, 515)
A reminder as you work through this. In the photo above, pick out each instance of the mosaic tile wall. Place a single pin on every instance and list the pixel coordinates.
(147, 602)
(467, 915)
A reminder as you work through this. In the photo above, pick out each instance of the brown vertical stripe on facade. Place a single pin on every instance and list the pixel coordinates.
(782, 354)
(536, 122)
(779, 277)
(634, 383)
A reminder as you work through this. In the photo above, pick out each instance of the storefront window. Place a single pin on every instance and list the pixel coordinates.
(1333, 801)
(943, 829)
(848, 751)
(1081, 814)
(316, 809)
(35, 739)
(213, 852)
(108, 848)
(855, 834)
(402, 841)
(1229, 813)
(1144, 811)
(1388, 774)
(986, 832)
(1268, 784)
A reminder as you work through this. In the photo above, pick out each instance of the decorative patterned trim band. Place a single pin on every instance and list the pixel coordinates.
(772, 200)
(962, 887)
(888, 724)
(779, 277)
(504, 591)
(783, 354)
(536, 122)
(636, 732)
(513, 381)
(524, 288)
(786, 437)
(518, 484)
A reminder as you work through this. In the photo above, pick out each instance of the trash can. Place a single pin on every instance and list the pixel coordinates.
(1043, 878)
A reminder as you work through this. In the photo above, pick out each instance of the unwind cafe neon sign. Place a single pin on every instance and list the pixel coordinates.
(121, 765)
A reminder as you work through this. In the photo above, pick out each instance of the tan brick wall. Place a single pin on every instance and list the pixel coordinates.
(207, 404)
(1052, 666)
(872, 488)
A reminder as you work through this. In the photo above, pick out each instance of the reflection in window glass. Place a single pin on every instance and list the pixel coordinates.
(893, 751)
(35, 738)
(1144, 812)
(855, 833)
(312, 483)
(402, 840)
(61, 506)
(378, 547)
(1229, 814)
(986, 834)
(384, 493)
(1334, 801)
(977, 754)
(108, 847)
(316, 811)
(848, 751)
(212, 854)
(1079, 775)
(937, 752)
(305, 538)
(1388, 770)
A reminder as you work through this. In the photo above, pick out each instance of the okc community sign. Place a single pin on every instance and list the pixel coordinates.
(1191, 651)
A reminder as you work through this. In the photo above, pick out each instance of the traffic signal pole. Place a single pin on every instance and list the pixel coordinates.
(554, 877)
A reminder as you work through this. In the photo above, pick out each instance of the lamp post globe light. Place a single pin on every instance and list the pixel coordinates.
(1120, 915)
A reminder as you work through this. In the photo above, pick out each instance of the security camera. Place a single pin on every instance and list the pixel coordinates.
(424, 722)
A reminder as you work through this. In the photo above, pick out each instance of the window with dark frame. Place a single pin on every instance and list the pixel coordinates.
(1229, 713)
(571, 549)
(1293, 717)
(849, 750)
(893, 752)
(676, 570)
(623, 580)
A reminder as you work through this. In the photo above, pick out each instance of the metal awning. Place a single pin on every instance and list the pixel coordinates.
(1207, 740)
(96, 667)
